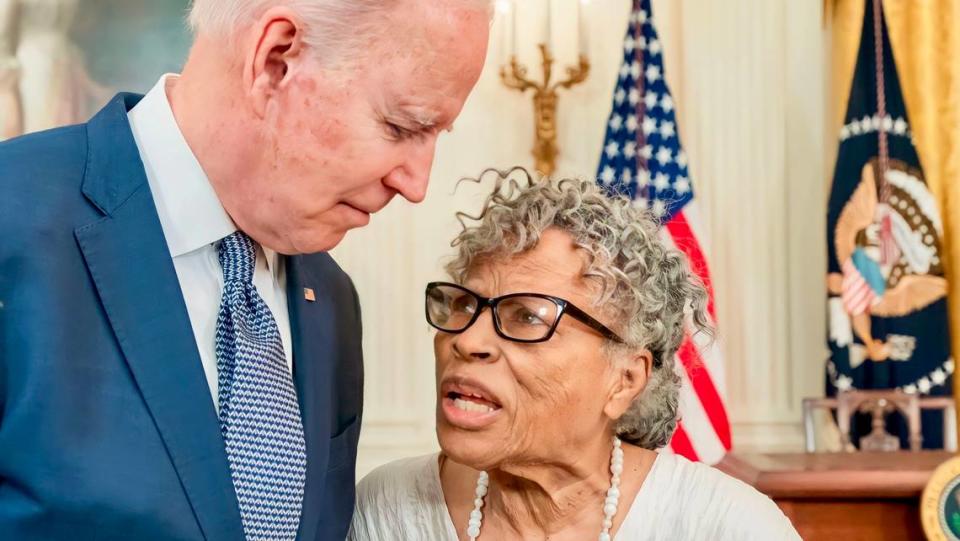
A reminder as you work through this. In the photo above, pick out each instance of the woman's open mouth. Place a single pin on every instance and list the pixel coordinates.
(468, 405)
(472, 402)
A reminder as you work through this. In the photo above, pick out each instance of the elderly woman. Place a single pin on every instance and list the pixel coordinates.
(556, 385)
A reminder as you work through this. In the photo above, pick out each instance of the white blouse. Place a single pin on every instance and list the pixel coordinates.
(679, 500)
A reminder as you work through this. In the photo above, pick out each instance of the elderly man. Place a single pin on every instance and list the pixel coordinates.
(179, 358)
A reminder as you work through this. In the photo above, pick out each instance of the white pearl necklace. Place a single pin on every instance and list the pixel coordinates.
(610, 505)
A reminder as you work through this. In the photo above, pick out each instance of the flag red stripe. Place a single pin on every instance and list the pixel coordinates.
(680, 443)
(686, 242)
(706, 391)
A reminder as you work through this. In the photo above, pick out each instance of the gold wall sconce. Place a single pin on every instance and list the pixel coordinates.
(545, 97)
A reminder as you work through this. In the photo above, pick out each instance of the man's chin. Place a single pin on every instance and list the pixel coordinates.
(330, 230)
(323, 242)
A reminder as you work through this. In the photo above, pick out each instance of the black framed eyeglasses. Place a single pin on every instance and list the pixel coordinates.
(519, 317)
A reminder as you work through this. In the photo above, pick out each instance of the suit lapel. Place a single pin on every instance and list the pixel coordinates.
(127, 256)
(314, 344)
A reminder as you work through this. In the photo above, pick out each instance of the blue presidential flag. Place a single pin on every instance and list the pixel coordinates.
(887, 293)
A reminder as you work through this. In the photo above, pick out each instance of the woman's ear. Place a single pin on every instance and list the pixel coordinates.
(275, 45)
(631, 374)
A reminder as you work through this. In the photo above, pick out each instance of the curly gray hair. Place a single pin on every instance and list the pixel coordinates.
(645, 285)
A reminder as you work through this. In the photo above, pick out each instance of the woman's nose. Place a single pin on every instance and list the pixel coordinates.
(478, 342)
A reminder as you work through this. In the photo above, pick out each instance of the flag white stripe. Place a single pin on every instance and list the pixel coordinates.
(692, 211)
(712, 358)
(703, 438)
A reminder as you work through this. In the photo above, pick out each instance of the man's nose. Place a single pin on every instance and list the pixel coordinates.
(410, 179)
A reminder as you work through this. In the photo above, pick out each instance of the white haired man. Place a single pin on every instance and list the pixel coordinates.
(179, 357)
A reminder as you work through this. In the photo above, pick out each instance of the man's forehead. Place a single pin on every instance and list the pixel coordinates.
(441, 46)
(423, 69)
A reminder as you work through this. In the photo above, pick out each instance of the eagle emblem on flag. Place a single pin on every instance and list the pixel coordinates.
(905, 279)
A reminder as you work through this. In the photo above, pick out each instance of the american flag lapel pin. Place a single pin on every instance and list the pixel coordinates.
(309, 294)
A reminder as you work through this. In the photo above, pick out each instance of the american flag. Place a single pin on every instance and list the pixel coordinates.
(642, 157)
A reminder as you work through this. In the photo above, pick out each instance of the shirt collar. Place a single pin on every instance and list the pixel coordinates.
(190, 211)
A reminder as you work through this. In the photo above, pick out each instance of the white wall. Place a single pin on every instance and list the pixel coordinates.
(747, 76)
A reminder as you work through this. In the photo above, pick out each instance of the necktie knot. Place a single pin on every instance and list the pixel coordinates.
(238, 257)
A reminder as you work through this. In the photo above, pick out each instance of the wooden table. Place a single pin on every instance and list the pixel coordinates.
(848, 496)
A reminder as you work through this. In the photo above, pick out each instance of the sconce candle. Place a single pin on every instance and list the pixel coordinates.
(513, 28)
(549, 30)
(508, 39)
(582, 41)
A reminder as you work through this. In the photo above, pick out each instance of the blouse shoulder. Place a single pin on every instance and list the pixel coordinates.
(714, 505)
(399, 500)
(396, 477)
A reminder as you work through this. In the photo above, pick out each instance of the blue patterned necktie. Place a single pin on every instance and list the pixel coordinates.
(259, 413)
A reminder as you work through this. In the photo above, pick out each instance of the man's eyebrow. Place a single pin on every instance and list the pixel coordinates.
(421, 118)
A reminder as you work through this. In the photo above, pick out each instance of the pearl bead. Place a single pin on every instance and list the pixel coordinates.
(617, 469)
(481, 491)
(473, 531)
(609, 509)
(476, 515)
(607, 523)
(478, 503)
(614, 491)
(604, 537)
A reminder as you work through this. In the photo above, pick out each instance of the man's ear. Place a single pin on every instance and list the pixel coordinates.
(274, 47)
(631, 375)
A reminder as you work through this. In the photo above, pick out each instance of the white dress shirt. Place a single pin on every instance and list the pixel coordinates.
(193, 222)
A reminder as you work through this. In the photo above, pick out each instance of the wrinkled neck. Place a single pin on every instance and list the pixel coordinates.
(540, 499)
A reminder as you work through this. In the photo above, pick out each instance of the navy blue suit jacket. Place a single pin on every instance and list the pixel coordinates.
(107, 426)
